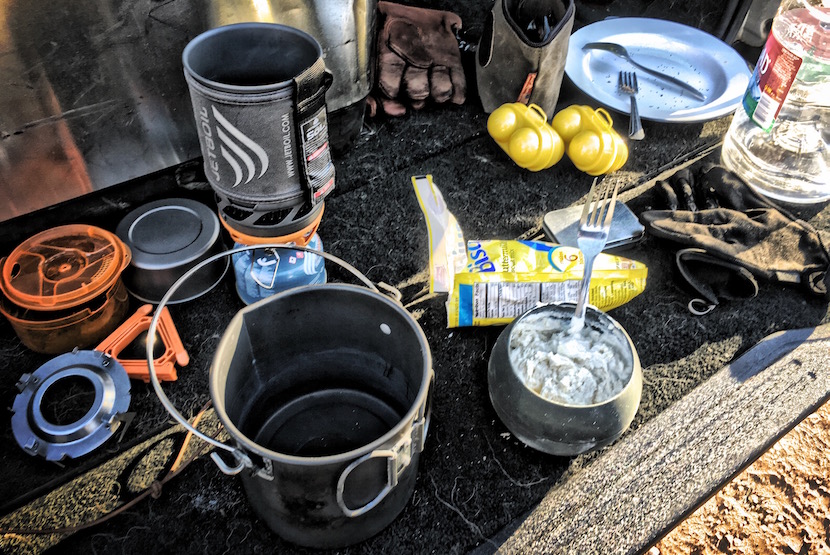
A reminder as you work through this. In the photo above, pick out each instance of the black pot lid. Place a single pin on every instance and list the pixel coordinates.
(169, 233)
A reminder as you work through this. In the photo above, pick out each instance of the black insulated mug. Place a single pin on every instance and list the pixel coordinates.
(258, 93)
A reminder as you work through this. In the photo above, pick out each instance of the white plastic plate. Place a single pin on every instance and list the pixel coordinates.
(694, 56)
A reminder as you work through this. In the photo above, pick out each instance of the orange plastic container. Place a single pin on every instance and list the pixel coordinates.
(62, 288)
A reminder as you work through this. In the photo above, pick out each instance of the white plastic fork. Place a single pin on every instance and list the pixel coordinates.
(591, 238)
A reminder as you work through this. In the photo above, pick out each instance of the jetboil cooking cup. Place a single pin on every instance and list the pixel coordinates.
(346, 30)
(258, 93)
(324, 391)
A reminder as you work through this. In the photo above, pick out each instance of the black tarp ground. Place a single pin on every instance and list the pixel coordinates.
(474, 478)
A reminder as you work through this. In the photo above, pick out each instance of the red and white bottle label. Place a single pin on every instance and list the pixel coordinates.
(770, 82)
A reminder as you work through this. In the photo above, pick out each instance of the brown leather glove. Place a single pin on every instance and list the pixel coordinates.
(418, 58)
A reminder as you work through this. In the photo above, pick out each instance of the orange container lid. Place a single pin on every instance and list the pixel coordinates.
(63, 267)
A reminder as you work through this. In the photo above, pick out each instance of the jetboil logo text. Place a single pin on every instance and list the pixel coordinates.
(236, 148)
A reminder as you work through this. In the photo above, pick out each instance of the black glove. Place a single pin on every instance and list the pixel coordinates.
(715, 280)
(735, 225)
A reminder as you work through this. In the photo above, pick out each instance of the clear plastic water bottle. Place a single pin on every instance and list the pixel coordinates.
(778, 139)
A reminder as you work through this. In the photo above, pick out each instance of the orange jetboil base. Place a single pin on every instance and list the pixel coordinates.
(135, 325)
(301, 237)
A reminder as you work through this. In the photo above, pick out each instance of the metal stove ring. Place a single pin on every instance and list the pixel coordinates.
(38, 436)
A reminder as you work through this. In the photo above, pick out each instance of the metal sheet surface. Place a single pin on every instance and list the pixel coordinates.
(92, 92)
(92, 95)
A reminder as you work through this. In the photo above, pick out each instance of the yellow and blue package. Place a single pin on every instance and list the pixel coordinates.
(505, 279)
(447, 254)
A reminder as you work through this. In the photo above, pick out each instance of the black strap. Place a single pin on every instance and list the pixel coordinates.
(310, 88)
(309, 84)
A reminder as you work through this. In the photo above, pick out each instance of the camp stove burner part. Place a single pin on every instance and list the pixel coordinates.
(37, 435)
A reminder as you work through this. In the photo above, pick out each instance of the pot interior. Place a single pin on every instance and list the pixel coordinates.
(320, 370)
(250, 55)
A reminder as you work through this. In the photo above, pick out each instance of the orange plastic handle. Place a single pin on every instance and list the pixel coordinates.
(138, 323)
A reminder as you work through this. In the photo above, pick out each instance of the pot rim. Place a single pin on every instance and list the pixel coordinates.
(234, 28)
(389, 438)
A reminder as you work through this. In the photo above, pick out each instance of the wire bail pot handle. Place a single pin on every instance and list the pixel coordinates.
(398, 458)
(241, 458)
